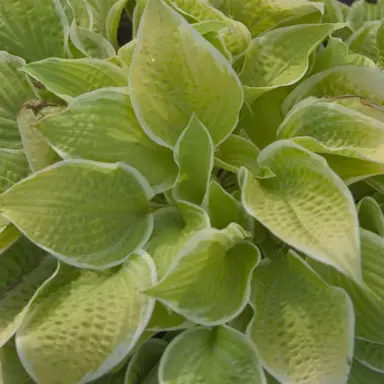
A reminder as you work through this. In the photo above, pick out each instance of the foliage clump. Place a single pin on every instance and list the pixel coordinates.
(203, 204)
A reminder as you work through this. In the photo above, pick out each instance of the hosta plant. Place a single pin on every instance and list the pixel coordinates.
(201, 204)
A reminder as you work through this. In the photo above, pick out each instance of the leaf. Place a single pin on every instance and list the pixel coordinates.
(264, 116)
(8, 234)
(300, 319)
(333, 12)
(237, 152)
(172, 228)
(70, 78)
(327, 127)
(86, 214)
(304, 204)
(125, 53)
(11, 369)
(208, 282)
(338, 81)
(13, 167)
(362, 11)
(79, 310)
(23, 269)
(210, 356)
(362, 375)
(165, 93)
(102, 126)
(144, 363)
(280, 57)
(14, 91)
(262, 15)
(31, 31)
(194, 171)
(367, 297)
(363, 41)
(380, 45)
(216, 199)
(370, 354)
(370, 216)
(337, 53)
(36, 147)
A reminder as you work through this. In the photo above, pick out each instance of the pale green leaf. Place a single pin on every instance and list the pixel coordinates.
(71, 78)
(367, 298)
(194, 156)
(84, 323)
(302, 328)
(208, 282)
(363, 11)
(173, 227)
(210, 356)
(36, 147)
(333, 12)
(280, 57)
(125, 53)
(12, 372)
(338, 81)
(13, 167)
(262, 118)
(237, 152)
(224, 209)
(31, 30)
(144, 363)
(370, 354)
(165, 319)
(337, 53)
(102, 126)
(14, 91)
(165, 93)
(363, 375)
(23, 269)
(305, 204)
(85, 213)
(262, 15)
(328, 127)
(90, 44)
(363, 41)
(371, 217)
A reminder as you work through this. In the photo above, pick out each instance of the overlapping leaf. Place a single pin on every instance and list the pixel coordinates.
(85, 322)
(303, 328)
(262, 15)
(210, 356)
(361, 375)
(102, 126)
(194, 171)
(339, 81)
(370, 354)
(319, 214)
(88, 214)
(14, 91)
(208, 282)
(71, 78)
(368, 297)
(363, 11)
(371, 217)
(280, 57)
(165, 93)
(30, 30)
(23, 269)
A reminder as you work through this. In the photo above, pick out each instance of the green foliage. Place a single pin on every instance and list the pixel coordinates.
(203, 204)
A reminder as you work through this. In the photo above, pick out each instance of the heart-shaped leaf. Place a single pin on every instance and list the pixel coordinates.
(210, 356)
(302, 202)
(85, 213)
(300, 319)
(85, 322)
(165, 93)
